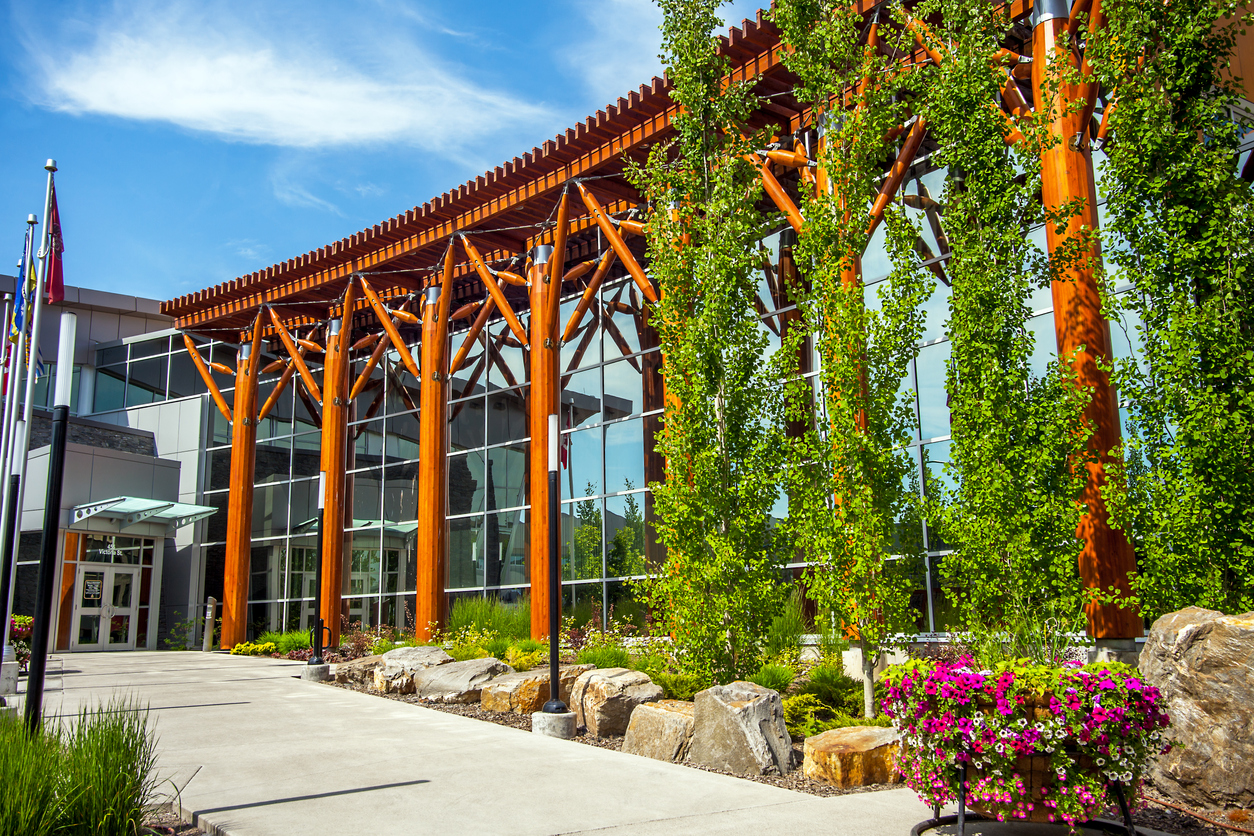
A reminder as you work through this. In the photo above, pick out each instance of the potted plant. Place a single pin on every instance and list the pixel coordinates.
(1036, 741)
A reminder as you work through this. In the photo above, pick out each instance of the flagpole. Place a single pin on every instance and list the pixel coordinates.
(8, 521)
(22, 446)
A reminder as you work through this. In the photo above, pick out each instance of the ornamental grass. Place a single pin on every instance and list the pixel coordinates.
(1041, 742)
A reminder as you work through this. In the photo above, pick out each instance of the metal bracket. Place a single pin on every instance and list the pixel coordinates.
(140, 516)
(338, 401)
(548, 343)
(81, 514)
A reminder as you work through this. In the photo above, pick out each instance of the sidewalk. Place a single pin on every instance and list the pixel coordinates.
(258, 752)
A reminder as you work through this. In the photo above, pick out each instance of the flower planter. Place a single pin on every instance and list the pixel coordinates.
(1038, 743)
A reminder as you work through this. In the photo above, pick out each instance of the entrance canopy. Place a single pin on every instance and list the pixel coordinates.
(127, 511)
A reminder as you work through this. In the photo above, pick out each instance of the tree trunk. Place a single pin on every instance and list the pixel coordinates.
(868, 681)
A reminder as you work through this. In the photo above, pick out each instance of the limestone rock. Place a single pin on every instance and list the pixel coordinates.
(396, 674)
(660, 730)
(1203, 663)
(459, 682)
(358, 671)
(603, 699)
(526, 692)
(740, 728)
(853, 757)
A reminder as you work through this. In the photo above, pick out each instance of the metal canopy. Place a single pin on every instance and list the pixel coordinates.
(129, 510)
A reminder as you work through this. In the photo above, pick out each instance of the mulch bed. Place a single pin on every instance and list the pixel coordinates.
(163, 822)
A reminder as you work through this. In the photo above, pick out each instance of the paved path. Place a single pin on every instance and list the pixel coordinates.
(254, 751)
(257, 751)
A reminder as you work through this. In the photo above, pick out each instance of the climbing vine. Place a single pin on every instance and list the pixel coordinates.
(852, 485)
(719, 587)
(1180, 232)
(1018, 440)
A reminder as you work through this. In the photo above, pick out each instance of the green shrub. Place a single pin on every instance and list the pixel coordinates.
(775, 677)
(605, 657)
(679, 686)
(521, 660)
(806, 715)
(783, 639)
(94, 777)
(834, 688)
(489, 615)
(652, 664)
(466, 652)
(254, 649)
(497, 647)
(287, 641)
(532, 646)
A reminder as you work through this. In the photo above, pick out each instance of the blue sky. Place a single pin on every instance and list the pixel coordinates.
(200, 141)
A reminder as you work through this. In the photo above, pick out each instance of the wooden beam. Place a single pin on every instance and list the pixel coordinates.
(237, 571)
(494, 290)
(214, 391)
(430, 547)
(775, 191)
(589, 293)
(542, 402)
(616, 241)
(385, 319)
(1106, 560)
(297, 356)
(896, 174)
(557, 263)
(279, 388)
(334, 449)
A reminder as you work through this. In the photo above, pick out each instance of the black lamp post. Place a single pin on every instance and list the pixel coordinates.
(316, 658)
(555, 704)
(38, 668)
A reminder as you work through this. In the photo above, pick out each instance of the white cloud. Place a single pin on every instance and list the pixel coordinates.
(208, 71)
(621, 52)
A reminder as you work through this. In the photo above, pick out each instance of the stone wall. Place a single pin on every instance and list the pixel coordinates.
(91, 433)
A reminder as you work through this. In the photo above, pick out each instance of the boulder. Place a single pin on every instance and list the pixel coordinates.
(460, 682)
(358, 671)
(1203, 663)
(396, 674)
(740, 728)
(853, 757)
(660, 730)
(526, 692)
(603, 699)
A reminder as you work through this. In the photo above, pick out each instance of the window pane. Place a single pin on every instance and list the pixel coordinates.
(465, 429)
(506, 548)
(270, 507)
(185, 380)
(624, 535)
(624, 456)
(150, 348)
(367, 494)
(507, 416)
(582, 468)
(581, 551)
(466, 483)
(147, 381)
(581, 399)
(110, 388)
(623, 389)
(507, 476)
(465, 552)
(272, 461)
(933, 400)
(620, 307)
(400, 492)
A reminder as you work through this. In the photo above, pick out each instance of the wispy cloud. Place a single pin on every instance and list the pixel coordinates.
(625, 40)
(205, 70)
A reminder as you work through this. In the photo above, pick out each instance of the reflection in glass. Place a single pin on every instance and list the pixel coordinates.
(507, 476)
(507, 416)
(89, 629)
(624, 456)
(581, 400)
(147, 381)
(581, 539)
(624, 534)
(583, 463)
(466, 483)
(506, 549)
(623, 389)
(465, 552)
(110, 389)
(933, 399)
(123, 586)
(119, 629)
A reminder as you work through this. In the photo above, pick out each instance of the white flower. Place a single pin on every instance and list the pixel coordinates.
(1100, 761)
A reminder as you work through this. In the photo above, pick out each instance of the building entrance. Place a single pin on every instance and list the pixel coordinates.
(107, 607)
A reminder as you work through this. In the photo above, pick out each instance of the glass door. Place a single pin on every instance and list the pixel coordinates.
(105, 608)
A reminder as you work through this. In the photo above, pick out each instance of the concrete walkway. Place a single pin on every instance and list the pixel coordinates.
(248, 749)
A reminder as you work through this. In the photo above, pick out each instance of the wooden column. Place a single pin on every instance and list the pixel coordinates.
(545, 378)
(239, 512)
(334, 443)
(433, 457)
(1067, 175)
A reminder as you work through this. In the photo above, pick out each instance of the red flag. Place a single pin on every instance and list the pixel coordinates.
(56, 279)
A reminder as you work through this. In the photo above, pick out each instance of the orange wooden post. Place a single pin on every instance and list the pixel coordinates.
(239, 512)
(545, 377)
(433, 455)
(1067, 175)
(334, 445)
